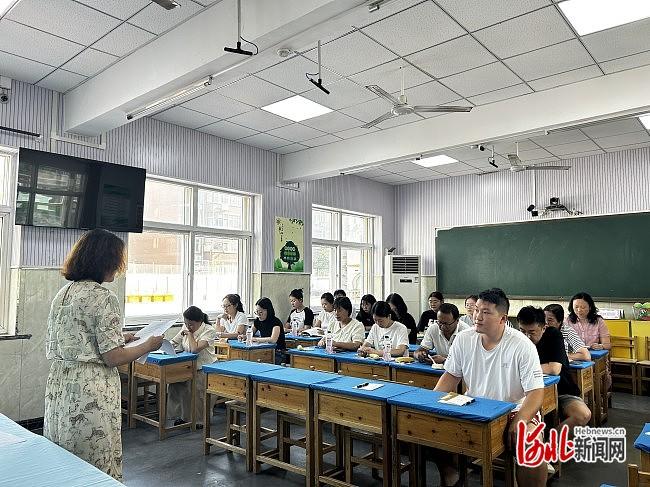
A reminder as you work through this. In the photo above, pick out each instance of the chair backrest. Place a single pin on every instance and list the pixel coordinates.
(623, 347)
(636, 478)
(647, 348)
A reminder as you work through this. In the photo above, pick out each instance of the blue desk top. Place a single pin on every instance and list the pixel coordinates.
(316, 352)
(549, 380)
(38, 461)
(243, 346)
(346, 386)
(596, 354)
(161, 359)
(417, 367)
(643, 440)
(239, 368)
(579, 364)
(293, 377)
(305, 338)
(353, 357)
(481, 410)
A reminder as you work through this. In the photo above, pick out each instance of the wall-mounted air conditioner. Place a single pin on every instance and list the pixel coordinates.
(403, 277)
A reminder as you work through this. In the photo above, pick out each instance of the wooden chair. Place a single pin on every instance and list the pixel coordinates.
(624, 367)
(643, 368)
(635, 478)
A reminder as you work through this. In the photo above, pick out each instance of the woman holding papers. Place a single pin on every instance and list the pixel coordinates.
(85, 343)
(196, 336)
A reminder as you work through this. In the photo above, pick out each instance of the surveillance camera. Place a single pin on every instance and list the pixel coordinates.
(491, 160)
(481, 147)
(4, 98)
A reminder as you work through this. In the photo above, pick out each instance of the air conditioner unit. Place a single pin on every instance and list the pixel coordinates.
(403, 277)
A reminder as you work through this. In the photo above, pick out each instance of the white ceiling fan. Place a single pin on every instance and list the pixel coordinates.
(516, 165)
(167, 4)
(402, 107)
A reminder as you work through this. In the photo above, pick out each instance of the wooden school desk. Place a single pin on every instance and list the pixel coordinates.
(339, 401)
(293, 341)
(232, 380)
(258, 352)
(31, 459)
(549, 403)
(163, 370)
(349, 363)
(415, 374)
(601, 407)
(313, 359)
(475, 430)
(583, 376)
(642, 443)
(286, 391)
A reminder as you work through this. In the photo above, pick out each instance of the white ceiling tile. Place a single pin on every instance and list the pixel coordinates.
(260, 120)
(22, 69)
(228, 130)
(573, 148)
(325, 139)
(421, 173)
(559, 138)
(291, 74)
(534, 155)
(577, 155)
(287, 149)
(482, 80)
(255, 91)
(389, 76)
(465, 172)
(296, 132)
(393, 179)
(502, 94)
(64, 18)
(454, 167)
(355, 132)
(386, 10)
(401, 167)
(477, 14)
(184, 117)
(623, 139)
(333, 122)
(89, 62)
(558, 58)
(61, 80)
(264, 141)
(123, 40)
(465, 153)
(569, 77)
(619, 41)
(607, 129)
(401, 120)
(352, 53)
(122, 9)
(508, 146)
(431, 93)
(343, 94)
(452, 57)
(415, 29)
(627, 62)
(531, 31)
(374, 172)
(212, 103)
(369, 110)
(33, 44)
(627, 147)
(156, 19)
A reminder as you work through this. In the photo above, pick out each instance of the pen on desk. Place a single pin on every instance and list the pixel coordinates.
(362, 385)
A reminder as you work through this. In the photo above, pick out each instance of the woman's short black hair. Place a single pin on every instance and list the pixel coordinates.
(194, 313)
(296, 293)
(265, 303)
(340, 292)
(557, 310)
(328, 297)
(472, 296)
(97, 255)
(438, 295)
(382, 309)
(592, 316)
(368, 298)
(343, 302)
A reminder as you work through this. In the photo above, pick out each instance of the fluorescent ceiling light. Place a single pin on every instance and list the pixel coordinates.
(440, 160)
(5, 5)
(589, 16)
(645, 120)
(297, 108)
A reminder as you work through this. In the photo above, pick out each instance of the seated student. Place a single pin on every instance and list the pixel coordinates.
(435, 300)
(196, 336)
(234, 321)
(364, 316)
(384, 326)
(397, 304)
(327, 317)
(554, 361)
(441, 335)
(573, 344)
(340, 293)
(347, 333)
(269, 327)
(496, 362)
(300, 314)
(470, 306)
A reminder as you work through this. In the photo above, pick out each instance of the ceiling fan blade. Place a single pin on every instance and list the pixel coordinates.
(379, 91)
(441, 108)
(378, 120)
(167, 4)
(514, 160)
(485, 173)
(548, 168)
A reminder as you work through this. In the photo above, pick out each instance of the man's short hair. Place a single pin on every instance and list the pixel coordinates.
(530, 315)
(497, 297)
(449, 309)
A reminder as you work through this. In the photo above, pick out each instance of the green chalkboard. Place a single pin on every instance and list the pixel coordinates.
(606, 256)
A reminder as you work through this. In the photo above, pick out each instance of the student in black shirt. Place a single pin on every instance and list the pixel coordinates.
(436, 299)
(364, 316)
(397, 304)
(552, 355)
(270, 328)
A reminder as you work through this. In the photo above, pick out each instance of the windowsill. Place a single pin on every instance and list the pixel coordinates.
(15, 337)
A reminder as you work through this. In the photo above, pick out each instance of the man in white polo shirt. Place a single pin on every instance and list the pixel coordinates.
(496, 362)
(441, 335)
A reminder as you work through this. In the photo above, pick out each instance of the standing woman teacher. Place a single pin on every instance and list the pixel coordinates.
(85, 344)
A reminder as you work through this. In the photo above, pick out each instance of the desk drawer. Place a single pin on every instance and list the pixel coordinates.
(147, 371)
(549, 402)
(281, 397)
(364, 371)
(417, 379)
(354, 413)
(227, 386)
(313, 363)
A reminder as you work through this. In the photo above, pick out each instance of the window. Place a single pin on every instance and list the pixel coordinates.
(342, 250)
(7, 211)
(195, 249)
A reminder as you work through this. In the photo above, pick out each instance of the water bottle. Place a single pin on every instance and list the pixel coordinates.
(249, 335)
(387, 347)
(329, 343)
(325, 327)
(294, 328)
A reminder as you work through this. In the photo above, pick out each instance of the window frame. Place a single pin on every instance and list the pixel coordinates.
(8, 215)
(191, 231)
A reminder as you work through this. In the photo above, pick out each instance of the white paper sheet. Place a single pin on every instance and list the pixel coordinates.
(371, 387)
(7, 439)
(166, 348)
(156, 328)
